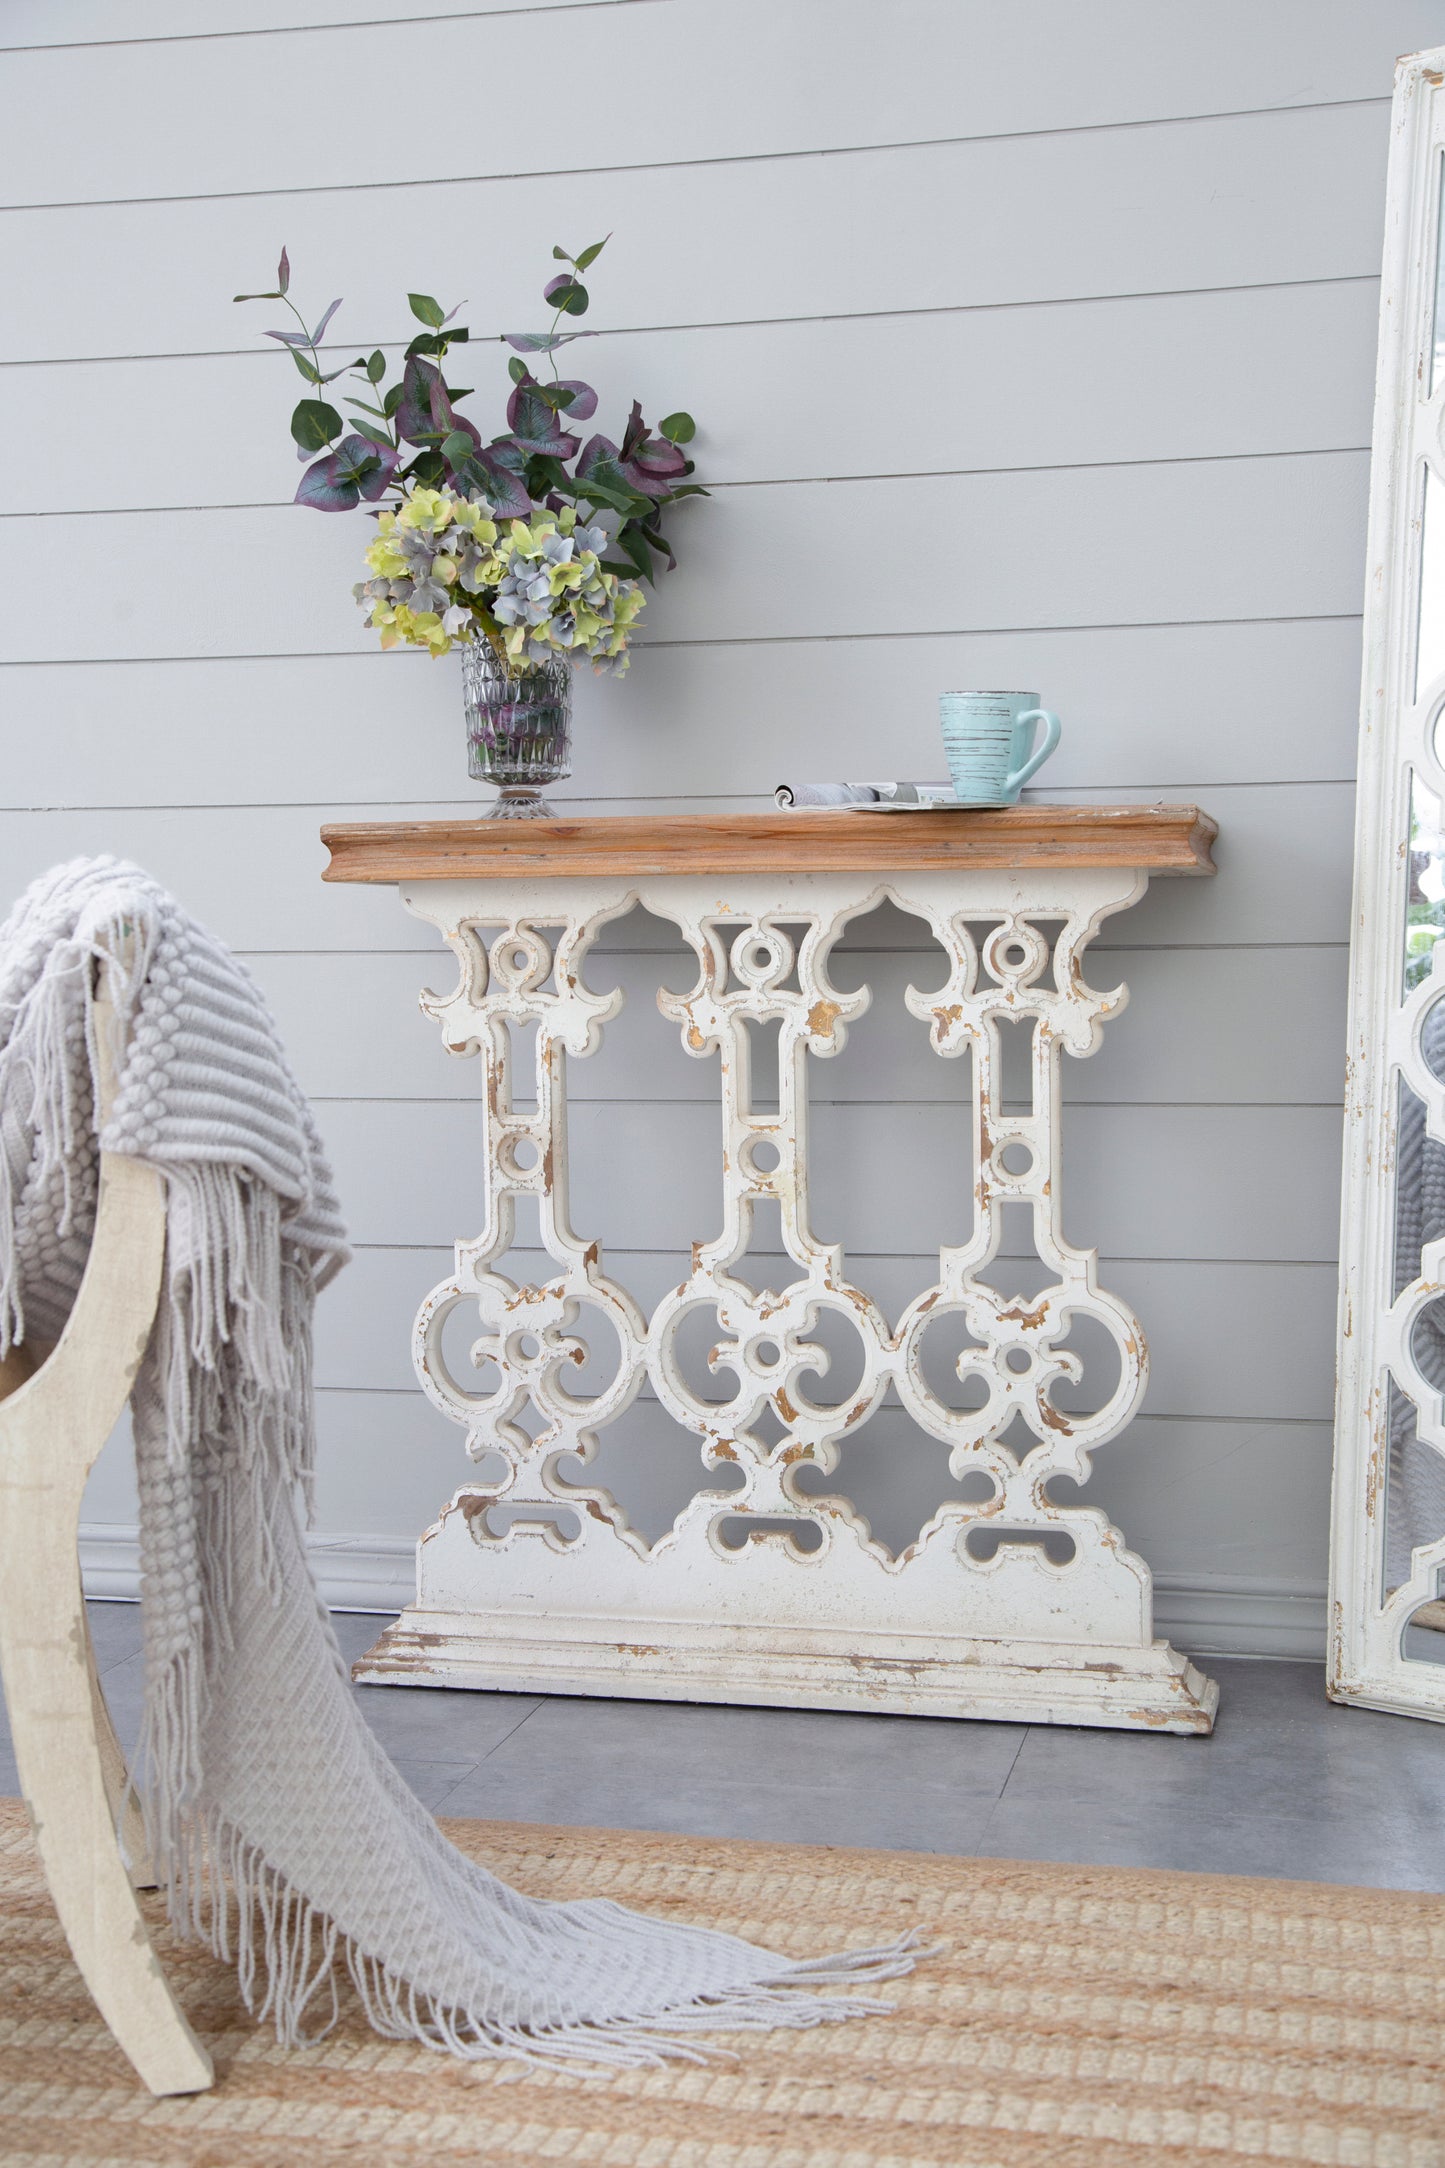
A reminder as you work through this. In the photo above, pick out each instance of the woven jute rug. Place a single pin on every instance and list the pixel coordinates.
(1080, 2017)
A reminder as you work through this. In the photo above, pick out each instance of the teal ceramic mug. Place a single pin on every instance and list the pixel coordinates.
(987, 738)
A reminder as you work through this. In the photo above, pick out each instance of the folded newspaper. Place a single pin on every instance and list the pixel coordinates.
(881, 797)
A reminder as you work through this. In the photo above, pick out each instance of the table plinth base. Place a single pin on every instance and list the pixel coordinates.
(1122, 1687)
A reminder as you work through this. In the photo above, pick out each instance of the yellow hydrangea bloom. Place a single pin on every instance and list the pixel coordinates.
(428, 510)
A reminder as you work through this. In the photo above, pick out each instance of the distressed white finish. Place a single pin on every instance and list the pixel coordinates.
(57, 1407)
(534, 1584)
(1367, 1661)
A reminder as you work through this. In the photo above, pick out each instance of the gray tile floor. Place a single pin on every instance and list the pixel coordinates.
(1288, 1784)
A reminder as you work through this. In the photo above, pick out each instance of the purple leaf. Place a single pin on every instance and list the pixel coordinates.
(656, 456)
(414, 415)
(649, 463)
(584, 400)
(376, 480)
(283, 272)
(638, 478)
(356, 469)
(595, 452)
(543, 342)
(316, 334)
(288, 338)
(445, 418)
(324, 491)
(535, 425)
(488, 473)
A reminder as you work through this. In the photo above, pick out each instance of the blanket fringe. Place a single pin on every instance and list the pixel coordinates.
(288, 1956)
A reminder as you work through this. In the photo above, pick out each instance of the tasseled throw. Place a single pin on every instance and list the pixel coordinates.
(285, 1837)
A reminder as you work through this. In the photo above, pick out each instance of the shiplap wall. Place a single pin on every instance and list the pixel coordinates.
(1029, 345)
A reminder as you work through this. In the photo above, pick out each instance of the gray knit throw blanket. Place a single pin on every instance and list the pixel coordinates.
(282, 1832)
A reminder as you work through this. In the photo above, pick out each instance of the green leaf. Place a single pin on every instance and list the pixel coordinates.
(560, 254)
(392, 401)
(427, 311)
(457, 447)
(314, 425)
(376, 367)
(616, 500)
(429, 468)
(308, 368)
(362, 407)
(517, 369)
(631, 543)
(369, 429)
(678, 428)
(272, 296)
(436, 342)
(590, 255)
(568, 295)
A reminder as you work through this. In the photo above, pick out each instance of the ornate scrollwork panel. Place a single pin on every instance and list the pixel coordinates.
(1052, 1613)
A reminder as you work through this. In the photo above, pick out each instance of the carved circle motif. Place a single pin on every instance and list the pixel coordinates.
(768, 1346)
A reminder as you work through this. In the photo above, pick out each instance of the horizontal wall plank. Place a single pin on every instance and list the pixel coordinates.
(1257, 1025)
(1209, 1352)
(1201, 1500)
(1248, 538)
(1260, 1613)
(1257, 200)
(1178, 705)
(1167, 376)
(1228, 1499)
(691, 67)
(1227, 1510)
(78, 23)
(1251, 1183)
(1194, 1499)
(253, 873)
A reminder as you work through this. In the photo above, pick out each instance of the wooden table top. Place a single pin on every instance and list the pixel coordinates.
(1158, 838)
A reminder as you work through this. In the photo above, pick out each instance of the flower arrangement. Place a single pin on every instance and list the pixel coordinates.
(536, 542)
(442, 567)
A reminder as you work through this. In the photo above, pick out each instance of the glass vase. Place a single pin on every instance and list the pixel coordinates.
(519, 729)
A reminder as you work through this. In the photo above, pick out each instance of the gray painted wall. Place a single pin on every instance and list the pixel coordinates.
(1030, 345)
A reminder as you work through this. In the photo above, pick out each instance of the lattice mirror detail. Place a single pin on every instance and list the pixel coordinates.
(1387, 1641)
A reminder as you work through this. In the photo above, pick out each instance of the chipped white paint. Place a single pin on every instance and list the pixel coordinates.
(1398, 747)
(57, 1408)
(559, 1594)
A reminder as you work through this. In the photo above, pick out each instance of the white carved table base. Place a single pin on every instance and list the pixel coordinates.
(935, 1631)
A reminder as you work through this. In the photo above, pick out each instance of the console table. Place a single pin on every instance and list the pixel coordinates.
(1008, 1606)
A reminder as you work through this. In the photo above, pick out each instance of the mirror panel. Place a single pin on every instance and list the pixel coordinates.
(1388, 1536)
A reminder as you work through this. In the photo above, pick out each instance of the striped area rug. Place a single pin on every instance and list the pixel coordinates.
(1080, 2017)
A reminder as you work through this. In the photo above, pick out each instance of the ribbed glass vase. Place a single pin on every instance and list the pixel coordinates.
(519, 729)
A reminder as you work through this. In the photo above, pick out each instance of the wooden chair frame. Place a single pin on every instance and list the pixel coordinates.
(57, 1408)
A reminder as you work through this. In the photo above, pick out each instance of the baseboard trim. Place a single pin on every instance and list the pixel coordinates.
(1213, 1615)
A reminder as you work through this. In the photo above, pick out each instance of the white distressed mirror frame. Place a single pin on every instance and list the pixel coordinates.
(1368, 1620)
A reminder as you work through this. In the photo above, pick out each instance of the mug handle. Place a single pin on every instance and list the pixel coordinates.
(1053, 731)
